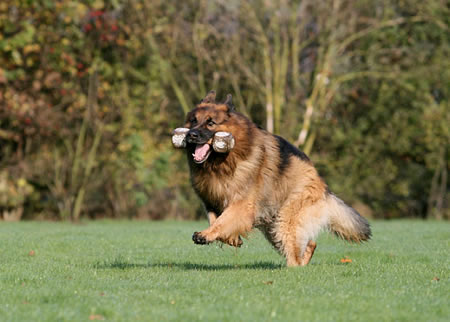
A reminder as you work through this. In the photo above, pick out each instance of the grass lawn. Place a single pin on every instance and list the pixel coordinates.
(125, 271)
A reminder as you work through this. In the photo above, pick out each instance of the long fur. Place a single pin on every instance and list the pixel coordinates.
(267, 183)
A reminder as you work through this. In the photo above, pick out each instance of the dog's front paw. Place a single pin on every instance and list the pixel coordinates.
(199, 239)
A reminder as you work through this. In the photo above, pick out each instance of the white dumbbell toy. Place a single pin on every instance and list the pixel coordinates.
(223, 142)
(179, 137)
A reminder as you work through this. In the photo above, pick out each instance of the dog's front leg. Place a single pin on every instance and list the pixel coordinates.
(236, 220)
(232, 242)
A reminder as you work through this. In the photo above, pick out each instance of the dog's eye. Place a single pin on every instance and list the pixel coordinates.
(211, 123)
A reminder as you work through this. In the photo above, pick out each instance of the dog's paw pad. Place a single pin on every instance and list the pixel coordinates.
(199, 239)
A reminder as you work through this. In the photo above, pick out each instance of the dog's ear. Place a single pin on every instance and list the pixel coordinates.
(210, 97)
(229, 103)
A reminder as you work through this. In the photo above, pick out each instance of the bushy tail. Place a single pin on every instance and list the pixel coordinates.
(345, 221)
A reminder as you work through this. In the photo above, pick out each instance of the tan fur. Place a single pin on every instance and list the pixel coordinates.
(258, 185)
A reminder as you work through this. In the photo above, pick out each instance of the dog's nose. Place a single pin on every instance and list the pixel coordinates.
(192, 135)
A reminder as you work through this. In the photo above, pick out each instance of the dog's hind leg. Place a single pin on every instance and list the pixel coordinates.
(296, 229)
(286, 237)
(308, 253)
(293, 248)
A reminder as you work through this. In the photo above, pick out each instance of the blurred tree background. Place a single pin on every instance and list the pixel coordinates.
(90, 91)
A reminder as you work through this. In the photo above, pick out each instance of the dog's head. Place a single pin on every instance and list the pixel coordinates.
(203, 122)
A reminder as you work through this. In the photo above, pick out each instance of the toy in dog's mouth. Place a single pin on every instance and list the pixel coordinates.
(202, 152)
(221, 142)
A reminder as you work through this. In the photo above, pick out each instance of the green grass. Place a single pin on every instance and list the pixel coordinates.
(125, 271)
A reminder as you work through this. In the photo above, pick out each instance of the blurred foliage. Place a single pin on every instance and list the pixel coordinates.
(13, 192)
(90, 91)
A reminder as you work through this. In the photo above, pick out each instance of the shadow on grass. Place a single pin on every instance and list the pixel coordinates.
(122, 264)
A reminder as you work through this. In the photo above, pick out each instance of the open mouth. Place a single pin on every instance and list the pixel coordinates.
(202, 152)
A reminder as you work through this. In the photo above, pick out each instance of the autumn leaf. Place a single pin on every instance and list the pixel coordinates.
(96, 317)
(346, 260)
(268, 282)
(31, 253)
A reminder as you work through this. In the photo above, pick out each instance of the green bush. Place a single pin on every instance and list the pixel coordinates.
(90, 91)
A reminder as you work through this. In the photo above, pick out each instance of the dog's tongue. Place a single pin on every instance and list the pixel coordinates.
(201, 150)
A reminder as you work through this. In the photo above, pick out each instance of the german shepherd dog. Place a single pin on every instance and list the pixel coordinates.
(263, 182)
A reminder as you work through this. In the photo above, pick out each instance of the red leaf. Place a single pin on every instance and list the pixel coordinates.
(96, 317)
